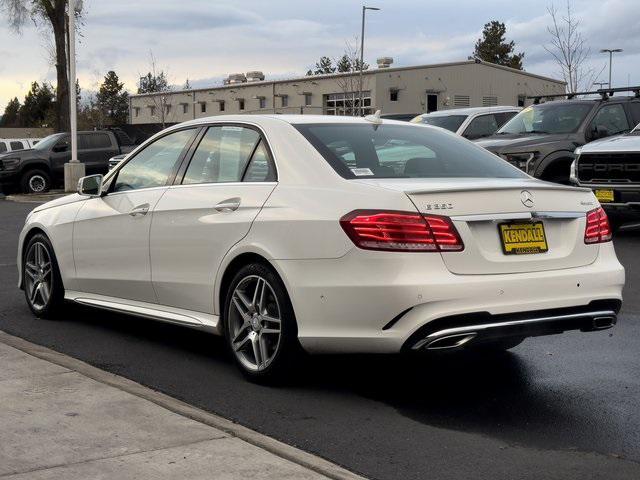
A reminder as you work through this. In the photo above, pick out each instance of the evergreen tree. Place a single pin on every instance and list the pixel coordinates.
(38, 107)
(113, 100)
(323, 66)
(151, 83)
(344, 64)
(187, 85)
(494, 48)
(11, 112)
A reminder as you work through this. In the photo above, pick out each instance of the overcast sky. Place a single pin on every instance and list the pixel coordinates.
(204, 40)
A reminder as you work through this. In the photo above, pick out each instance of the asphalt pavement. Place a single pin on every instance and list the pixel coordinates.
(560, 407)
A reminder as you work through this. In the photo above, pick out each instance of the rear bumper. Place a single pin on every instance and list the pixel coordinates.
(374, 302)
(461, 331)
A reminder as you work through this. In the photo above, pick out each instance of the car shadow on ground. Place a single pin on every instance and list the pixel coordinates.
(492, 393)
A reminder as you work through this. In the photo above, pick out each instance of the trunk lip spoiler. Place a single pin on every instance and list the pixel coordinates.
(487, 217)
(541, 186)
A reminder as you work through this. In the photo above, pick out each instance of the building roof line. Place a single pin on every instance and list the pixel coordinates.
(344, 74)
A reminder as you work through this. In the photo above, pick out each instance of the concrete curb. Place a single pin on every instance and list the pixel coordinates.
(271, 445)
(33, 198)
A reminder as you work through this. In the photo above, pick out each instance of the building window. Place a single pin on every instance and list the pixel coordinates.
(152, 110)
(167, 109)
(347, 103)
(221, 103)
(307, 99)
(262, 102)
(185, 108)
(393, 95)
(136, 111)
(203, 107)
(285, 100)
(489, 101)
(241, 103)
(521, 100)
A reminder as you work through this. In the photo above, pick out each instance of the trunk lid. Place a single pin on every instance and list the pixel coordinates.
(478, 206)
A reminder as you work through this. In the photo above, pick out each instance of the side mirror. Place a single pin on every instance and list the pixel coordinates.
(600, 131)
(61, 148)
(90, 186)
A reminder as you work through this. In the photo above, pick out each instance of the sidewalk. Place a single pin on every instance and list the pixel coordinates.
(63, 419)
(33, 197)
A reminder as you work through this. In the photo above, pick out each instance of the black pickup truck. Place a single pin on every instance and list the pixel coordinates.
(542, 138)
(37, 169)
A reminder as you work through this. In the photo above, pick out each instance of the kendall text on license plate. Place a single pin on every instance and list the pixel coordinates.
(523, 238)
(604, 195)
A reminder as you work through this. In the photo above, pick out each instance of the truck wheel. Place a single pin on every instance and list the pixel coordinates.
(35, 181)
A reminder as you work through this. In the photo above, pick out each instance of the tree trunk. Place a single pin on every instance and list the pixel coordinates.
(62, 89)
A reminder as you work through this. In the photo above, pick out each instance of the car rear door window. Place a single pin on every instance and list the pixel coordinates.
(152, 166)
(17, 145)
(260, 167)
(3, 147)
(504, 117)
(222, 155)
(634, 109)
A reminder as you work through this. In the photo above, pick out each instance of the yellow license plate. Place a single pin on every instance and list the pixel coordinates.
(605, 195)
(523, 238)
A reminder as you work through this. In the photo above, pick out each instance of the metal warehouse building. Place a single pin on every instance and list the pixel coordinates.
(394, 90)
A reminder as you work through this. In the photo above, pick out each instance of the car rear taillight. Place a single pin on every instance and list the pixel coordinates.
(597, 229)
(401, 231)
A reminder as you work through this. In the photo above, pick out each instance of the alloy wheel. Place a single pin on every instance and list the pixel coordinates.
(254, 323)
(37, 183)
(38, 271)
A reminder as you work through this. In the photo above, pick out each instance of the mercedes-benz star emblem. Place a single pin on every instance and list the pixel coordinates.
(526, 198)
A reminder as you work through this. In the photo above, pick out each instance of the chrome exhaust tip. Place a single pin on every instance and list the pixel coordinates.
(603, 322)
(449, 342)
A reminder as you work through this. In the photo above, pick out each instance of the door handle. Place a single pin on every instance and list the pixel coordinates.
(229, 205)
(139, 210)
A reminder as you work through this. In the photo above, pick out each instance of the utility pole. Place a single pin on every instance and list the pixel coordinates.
(364, 10)
(73, 170)
(610, 52)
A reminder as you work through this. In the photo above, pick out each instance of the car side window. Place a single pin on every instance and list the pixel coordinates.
(610, 120)
(3, 147)
(634, 108)
(17, 145)
(152, 166)
(260, 167)
(504, 117)
(222, 155)
(481, 126)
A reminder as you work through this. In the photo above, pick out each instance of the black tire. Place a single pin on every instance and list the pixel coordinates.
(287, 352)
(35, 181)
(53, 305)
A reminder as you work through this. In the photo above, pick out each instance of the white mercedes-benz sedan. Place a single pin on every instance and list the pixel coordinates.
(326, 234)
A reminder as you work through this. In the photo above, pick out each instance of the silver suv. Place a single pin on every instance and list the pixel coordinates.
(470, 123)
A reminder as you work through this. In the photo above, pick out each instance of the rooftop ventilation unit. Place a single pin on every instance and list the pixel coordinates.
(235, 78)
(255, 76)
(385, 62)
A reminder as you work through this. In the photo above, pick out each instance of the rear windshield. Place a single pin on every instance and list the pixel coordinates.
(402, 151)
(449, 122)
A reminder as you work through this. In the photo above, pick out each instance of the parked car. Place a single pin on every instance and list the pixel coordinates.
(611, 168)
(541, 139)
(471, 123)
(34, 170)
(403, 117)
(326, 234)
(12, 144)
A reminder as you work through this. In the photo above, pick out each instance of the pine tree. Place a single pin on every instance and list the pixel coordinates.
(113, 100)
(494, 48)
(36, 111)
(323, 66)
(187, 85)
(344, 64)
(11, 112)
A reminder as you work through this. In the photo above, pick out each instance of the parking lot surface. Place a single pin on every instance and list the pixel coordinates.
(555, 407)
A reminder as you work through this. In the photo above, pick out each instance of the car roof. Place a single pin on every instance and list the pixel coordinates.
(291, 119)
(472, 111)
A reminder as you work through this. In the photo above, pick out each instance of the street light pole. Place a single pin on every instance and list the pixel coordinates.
(73, 170)
(364, 9)
(610, 52)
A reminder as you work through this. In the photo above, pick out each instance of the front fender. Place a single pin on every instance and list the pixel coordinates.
(550, 159)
